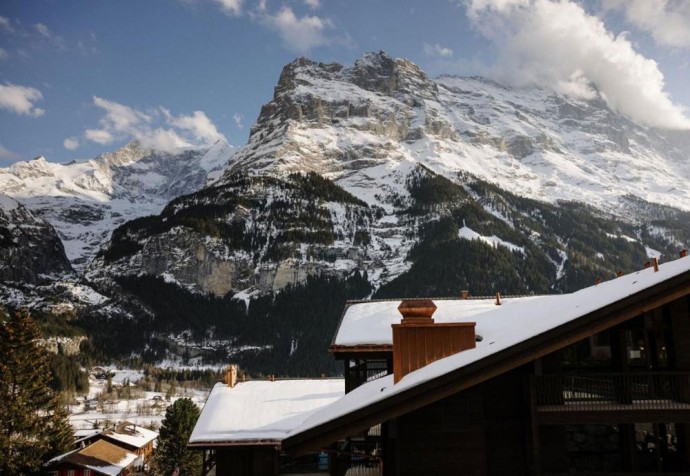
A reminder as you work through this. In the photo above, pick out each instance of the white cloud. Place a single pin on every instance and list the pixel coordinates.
(88, 45)
(162, 139)
(3, 54)
(20, 99)
(158, 128)
(237, 117)
(100, 136)
(298, 34)
(437, 50)
(198, 124)
(7, 154)
(667, 21)
(118, 117)
(6, 25)
(71, 143)
(314, 4)
(556, 44)
(231, 7)
(45, 32)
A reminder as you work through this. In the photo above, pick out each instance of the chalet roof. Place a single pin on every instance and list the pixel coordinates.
(514, 333)
(130, 434)
(101, 457)
(261, 412)
(369, 323)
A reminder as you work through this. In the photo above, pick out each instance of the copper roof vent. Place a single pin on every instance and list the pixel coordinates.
(418, 341)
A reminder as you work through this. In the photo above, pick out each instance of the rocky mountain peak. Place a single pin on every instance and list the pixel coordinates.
(379, 72)
(38, 167)
(127, 154)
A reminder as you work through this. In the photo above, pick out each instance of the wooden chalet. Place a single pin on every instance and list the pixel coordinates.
(99, 458)
(133, 438)
(242, 425)
(593, 382)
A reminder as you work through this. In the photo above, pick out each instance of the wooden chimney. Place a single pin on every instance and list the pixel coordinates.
(231, 375)
(418, 341)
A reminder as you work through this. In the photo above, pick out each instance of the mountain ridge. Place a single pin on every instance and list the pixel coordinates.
(86, 200)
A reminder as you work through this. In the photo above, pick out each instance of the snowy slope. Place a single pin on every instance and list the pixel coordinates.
(86, 200)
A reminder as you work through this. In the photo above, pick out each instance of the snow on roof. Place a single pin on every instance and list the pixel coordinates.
(101, 457)
(131, 434)
(262, 410)
(505, 326)
(86, 432)
(81, 435)
(369, 323)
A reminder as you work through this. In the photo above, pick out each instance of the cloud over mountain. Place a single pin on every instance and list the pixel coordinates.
(157, 128)
(560, 46)
(667, 21)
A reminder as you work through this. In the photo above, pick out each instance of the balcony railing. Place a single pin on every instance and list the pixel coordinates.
(612, 391)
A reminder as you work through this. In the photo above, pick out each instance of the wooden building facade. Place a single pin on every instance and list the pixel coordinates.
(597, 382)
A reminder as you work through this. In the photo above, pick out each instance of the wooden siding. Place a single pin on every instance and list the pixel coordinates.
(417, 345)
(480, 431)
(250, 461)
(445, 438)
(680, 325)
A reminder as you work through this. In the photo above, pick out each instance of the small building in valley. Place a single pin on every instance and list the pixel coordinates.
(133, 438)
(99, 458)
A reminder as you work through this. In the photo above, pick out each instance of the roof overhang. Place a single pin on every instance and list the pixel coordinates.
(245, 444)
(343, 352)
(491, 366)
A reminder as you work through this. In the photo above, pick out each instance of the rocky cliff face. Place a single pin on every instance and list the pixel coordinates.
(30, 249)
(249, 233)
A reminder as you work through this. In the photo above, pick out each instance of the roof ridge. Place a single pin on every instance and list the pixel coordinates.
(447, 298)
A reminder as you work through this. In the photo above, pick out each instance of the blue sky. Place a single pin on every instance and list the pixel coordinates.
(78, 78)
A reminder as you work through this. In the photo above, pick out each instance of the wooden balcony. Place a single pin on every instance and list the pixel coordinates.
(611, 398)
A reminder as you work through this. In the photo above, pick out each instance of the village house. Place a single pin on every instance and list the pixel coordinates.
(133, 438)
(121, 450)
(593, 382)
(99, 458)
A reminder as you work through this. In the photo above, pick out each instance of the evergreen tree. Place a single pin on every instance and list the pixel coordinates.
(33, 424)
(172, 455)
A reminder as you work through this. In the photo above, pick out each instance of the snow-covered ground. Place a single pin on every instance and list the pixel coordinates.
(147, 409)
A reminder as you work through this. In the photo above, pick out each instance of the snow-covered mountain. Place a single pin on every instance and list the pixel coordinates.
(386, 134)
(86, 200)
(385, 114)
(368, 180)
(34, 270)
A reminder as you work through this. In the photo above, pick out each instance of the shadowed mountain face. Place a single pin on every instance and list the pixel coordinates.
(30, 250)
(375, 180)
